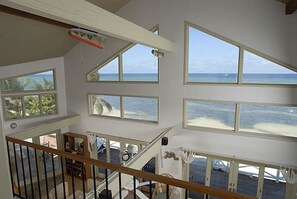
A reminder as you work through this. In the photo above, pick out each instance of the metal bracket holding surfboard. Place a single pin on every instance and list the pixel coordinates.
(95, 39)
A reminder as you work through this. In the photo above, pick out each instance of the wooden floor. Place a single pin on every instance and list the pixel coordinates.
(246, 184)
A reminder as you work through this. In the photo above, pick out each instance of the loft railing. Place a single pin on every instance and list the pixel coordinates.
(49, 188)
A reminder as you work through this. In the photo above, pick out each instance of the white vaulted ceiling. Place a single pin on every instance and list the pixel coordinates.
(25, 40)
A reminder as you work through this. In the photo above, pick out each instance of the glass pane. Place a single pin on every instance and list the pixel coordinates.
(115, 152)
(140, 108)
(150, 166)
(13, 107)
(101, 151)
(49, 140)
(219, 175)
(197, 174)
(274, 184)
(267, 119)
(247, 182)
(38, 81)
(31, 105)
(48, 104)
(257, 70)
(210, 59)
(219, 115)
(108, 72)
(105, 105)
(139, 64)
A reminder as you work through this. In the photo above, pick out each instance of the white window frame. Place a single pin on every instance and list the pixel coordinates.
(242, 48)
(23, 94)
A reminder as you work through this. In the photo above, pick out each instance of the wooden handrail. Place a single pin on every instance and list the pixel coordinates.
(221, 193)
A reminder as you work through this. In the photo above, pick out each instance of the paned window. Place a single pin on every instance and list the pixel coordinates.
(135, 63)
(29, 96)
(125, 107)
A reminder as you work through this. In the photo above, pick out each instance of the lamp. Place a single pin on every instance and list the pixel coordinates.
(158, 53)
(188, 156)
(289, 175)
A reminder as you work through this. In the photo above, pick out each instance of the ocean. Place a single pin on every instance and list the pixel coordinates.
(253, 117)
(290, 79)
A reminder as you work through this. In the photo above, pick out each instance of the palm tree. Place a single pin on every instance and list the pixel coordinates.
(98, 103)
(16, 84)
(13, 107)
(47, 85)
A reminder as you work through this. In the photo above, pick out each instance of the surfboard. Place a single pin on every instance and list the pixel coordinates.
(95, 39)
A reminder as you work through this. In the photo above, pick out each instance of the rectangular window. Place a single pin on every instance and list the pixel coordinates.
(32, 107)
(140, 108)
(125, 107)
(34, 82)
(210, 59)
(268, 119)
(13, 107)
(197, 174)
(247, 181)
(105, 105)
(274, 186)
(18, 103)
(220, 174)
(219, 115)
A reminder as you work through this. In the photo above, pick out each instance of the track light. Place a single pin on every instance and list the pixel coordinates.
(158, 53)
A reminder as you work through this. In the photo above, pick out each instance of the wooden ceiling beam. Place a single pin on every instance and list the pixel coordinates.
(291, 7)
(91, 17)
(27, 15)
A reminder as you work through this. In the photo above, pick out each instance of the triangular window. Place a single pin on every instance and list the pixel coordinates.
(135, 63)
(107, 72)
(258, 70)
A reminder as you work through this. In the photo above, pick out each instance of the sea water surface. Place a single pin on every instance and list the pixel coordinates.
(253, 117)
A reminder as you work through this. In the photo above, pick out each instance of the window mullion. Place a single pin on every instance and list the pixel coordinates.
(240, 65)
(122, 106)
(120, 67)
(23, 106)
(40, 105)
(260, 181)
(237, 117)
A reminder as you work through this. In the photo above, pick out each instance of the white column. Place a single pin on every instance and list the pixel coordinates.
(5, 185)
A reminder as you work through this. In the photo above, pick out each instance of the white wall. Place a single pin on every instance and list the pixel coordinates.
(31, 67)
(261, 25)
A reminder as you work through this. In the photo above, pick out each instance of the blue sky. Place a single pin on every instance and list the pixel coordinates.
(208, 54)
(137, 59)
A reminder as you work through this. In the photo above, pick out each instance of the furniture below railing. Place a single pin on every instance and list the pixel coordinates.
(27, 182)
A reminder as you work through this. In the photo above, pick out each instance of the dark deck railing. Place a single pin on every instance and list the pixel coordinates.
(28, 187)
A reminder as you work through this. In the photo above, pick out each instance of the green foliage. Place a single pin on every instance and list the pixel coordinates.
(32, 105)
(98, 103)
(47, 85)
(15, 84)
(94, 77)
(13, 105)
(48, 103)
